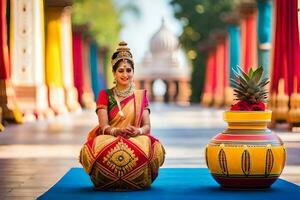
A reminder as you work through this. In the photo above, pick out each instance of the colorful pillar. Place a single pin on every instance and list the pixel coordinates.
(7, 94)
(293, 62)
(82, 69)
(78, 62)
(54, 72)
(67, 61)
(234, 47)
(94, 69)
(228, 91)
(264, 34)
(234, 44)
(88, 97)
(220, 57)
(299, 17)
(27, 58)
(286, 66)
(208, 87)
(248, 12)
(102, 64)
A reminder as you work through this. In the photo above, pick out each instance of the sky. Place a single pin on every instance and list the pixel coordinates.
(138, 32)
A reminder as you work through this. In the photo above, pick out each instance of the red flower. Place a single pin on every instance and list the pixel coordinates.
(258, 107)
(246, 106)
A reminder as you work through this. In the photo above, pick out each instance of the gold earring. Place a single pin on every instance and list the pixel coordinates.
(115, 82)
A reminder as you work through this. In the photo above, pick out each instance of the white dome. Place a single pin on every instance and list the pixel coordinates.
(163, 40)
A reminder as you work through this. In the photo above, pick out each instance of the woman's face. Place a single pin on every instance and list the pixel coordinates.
(124, 73)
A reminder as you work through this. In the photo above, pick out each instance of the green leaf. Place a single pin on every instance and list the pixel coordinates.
(239, 87)
(251, 72)
(263, 83)
(242, 73)
(257, 74)
(236, 73)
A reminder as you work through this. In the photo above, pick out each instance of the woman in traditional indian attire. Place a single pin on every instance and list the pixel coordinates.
(120, 153)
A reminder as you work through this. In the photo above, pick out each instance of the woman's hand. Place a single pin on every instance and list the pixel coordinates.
(133, 131)
(123, 132)
(129, 131)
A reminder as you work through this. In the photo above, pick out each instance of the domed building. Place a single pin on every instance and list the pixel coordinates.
(161, 66)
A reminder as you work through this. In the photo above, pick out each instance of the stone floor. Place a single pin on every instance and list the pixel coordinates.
(34, 156)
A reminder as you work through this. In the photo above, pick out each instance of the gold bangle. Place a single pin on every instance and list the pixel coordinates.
(113, 131)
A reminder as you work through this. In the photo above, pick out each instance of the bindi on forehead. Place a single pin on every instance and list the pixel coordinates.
(124, 65)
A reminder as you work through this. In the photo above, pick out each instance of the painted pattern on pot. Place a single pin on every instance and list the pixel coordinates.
(247, 154)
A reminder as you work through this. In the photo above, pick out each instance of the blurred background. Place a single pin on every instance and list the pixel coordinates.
(55, 55)
(55, 58)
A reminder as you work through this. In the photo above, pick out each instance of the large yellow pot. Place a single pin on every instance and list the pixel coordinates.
(247, 154)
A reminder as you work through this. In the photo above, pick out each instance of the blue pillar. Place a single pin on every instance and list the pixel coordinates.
(234, 47)
(101, 69)
(264, 34)
(94, 69)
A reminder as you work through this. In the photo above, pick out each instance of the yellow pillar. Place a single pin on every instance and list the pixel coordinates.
(54, 78)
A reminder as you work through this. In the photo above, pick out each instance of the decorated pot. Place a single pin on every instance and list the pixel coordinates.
(247, 154)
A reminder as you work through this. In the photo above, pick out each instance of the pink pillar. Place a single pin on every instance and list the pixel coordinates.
(248, 12)
(78, 64)
(82, 80)
(286, 64)
(219, 90)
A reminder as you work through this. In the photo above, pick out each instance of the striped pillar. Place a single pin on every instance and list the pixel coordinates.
(54, 73)
(10, 111)
(248, 13)
(27, 58)
(67, 61)
(264, 34)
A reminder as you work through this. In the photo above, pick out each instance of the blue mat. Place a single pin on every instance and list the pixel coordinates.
(172, 183)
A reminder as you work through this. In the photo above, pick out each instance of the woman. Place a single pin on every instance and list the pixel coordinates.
(120, 153)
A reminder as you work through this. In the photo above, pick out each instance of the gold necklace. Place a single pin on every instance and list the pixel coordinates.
(124, 93)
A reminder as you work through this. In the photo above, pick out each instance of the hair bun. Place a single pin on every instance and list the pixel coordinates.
(123, 52)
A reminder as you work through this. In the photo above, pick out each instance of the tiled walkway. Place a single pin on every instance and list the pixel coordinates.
(34, 156)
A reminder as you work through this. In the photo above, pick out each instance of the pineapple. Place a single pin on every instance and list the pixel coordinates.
(249, 89)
